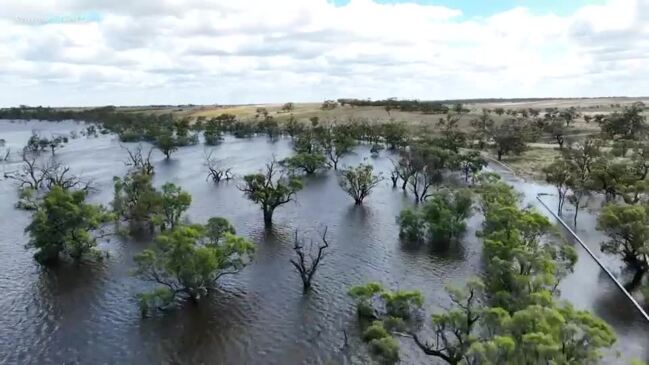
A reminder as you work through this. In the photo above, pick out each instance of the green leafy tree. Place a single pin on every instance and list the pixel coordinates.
(456, 329)
(166, 143)
(630, 124)
(65, 225)
(581, 158)
(628, 229)
(510, 137)
(216, 228)
(481, 127)
(307, 162)
(359, 181)
(471, 163)
(427, 163)
(270, 189)
(335, 142)
(293, 127)
(395, 134)
(186, 264)
(559, 174)
(452, 137)
(212, 132)
(441, 219)
(173, 203)
(136, 201)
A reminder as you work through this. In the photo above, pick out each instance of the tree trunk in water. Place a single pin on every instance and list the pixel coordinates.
(500, 155)
(268, 217)
(637, 279)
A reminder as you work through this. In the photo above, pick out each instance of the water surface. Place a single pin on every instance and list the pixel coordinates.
(87, 313)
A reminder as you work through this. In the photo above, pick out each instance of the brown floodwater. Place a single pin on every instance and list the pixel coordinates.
(88, 313)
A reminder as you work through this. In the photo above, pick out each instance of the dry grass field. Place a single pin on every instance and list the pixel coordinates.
(529, 163)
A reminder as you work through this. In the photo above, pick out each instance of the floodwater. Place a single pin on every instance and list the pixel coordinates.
(88, 313)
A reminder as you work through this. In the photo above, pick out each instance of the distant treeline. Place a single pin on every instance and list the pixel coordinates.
(427, 107)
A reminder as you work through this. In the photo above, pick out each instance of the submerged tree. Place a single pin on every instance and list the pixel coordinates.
(395, 134)
(359, 181)
(216, 172)
(137, 161)
(64, 224)
(336, 142)
(628, 229)
(440, 220)
(270, 189)
(173, 203)
(560, 175)
(471, 163)
(307, 162)
(186, 264)
(166, 143)
(136, 201)
(307, 266)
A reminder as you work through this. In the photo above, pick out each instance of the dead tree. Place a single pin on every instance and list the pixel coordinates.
(31, 175)
(307, 266)
(138, 162)
(215, 172)
(59, 175)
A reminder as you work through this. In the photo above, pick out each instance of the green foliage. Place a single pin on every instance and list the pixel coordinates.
(335, 142)
(359, 181)
(386, 349)
(628, 229)
(375, 331)
(307, 162)
(441, 219)
(216, 228)
(630, 124)
(159, 298)
(166, 143)
(511, 137)
(452, 137)
(395, 134)
(136, 200)
(471, 164)
(270, 189)
(173, 203)
(64, 224)
(212, 132)
(186, 262)
(559, 174)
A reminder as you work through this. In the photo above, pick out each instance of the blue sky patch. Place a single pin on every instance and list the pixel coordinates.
(483, 8)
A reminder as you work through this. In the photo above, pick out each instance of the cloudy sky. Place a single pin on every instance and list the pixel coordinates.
(95, 52)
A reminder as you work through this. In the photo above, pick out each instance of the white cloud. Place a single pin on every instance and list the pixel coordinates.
(233, 51)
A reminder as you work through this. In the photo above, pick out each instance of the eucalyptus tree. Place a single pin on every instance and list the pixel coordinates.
(471, 163)
(510, 137)
(395, 134)
(309, 163)
(359, 181)
(186, 263)
(270, 189)
(335, 142)
(64, 224)
(481, 127)
(628, 229)
(559, 174)
(441, 220)
(452, 137)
